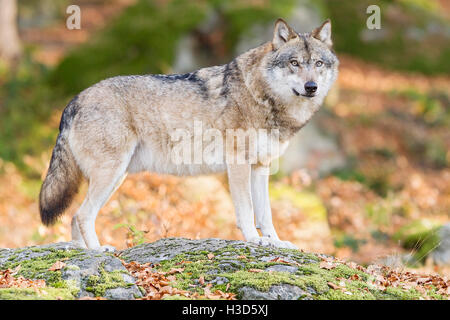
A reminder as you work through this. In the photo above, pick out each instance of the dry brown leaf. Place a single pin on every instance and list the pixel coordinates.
(175, 270)
(255, 270)
(327, 265)
(355, 277)
(58, 265)
(333, 286)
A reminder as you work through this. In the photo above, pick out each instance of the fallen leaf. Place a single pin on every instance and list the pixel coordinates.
(333, 286)
(327, 265)
(255, 270)
(175, 270)
(58, 265)
(355, 277)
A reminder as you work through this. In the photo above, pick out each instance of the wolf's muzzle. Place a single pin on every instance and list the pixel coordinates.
(310, 87)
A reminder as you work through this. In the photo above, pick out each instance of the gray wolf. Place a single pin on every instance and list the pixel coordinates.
(123, 125)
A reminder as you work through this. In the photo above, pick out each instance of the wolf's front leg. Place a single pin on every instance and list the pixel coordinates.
(239, 181)
(261, 205)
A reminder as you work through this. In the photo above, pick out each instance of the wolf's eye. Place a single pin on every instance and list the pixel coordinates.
(319, 63)
(294, 63)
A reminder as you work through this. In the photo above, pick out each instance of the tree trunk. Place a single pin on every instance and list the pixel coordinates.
(10, 47)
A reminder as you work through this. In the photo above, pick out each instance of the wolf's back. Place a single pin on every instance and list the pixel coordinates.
(63, 176)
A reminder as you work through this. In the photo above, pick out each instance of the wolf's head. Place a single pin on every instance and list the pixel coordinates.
(301, 66)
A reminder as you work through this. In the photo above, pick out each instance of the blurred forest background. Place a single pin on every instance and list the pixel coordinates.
(368, 179)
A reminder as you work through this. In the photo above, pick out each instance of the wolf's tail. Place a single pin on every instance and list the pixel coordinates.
(61, 183)
(64, 175)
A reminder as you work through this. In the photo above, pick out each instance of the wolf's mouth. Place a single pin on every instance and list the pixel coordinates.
(303, 95)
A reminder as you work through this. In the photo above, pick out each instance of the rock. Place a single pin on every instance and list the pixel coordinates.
(278, 292)
(441, 255)
(227, 250)
(86, 272)
(226, 267)
(282, 268)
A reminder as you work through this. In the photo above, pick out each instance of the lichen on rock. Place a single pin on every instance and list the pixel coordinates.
(240, 269)
(74, 280)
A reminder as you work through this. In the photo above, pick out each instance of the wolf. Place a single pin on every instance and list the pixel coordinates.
(124, 124)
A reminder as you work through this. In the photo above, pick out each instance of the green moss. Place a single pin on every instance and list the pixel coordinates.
(238, 274)
(37, 268)
(98, 284)
(47, 293)
(309, 276)
(262, 281)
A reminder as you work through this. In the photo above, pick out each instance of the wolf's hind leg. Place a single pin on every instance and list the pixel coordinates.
(77, 238)
(102, 183)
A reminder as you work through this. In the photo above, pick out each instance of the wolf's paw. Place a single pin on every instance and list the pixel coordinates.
(269, 242)
(79, 243)
(288, 245)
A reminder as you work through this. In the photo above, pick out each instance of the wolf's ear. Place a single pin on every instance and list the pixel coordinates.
(323, 33)
(282, 33)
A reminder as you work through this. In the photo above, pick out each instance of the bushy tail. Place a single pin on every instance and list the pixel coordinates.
(61, 183)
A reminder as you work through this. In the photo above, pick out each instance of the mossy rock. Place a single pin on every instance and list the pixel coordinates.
(248, 270)
(280, 273)
(86, 273)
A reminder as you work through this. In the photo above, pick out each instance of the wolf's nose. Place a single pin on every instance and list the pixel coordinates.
(311, 87)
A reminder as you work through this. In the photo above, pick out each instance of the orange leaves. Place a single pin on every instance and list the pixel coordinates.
(333, 286)
(8, 280)
(407, 280)
(384, 277)
(255, 270)
(218, 294)
(280, 260)
(327, 265)
(158, 284)
(58, 265)
(175, 270)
